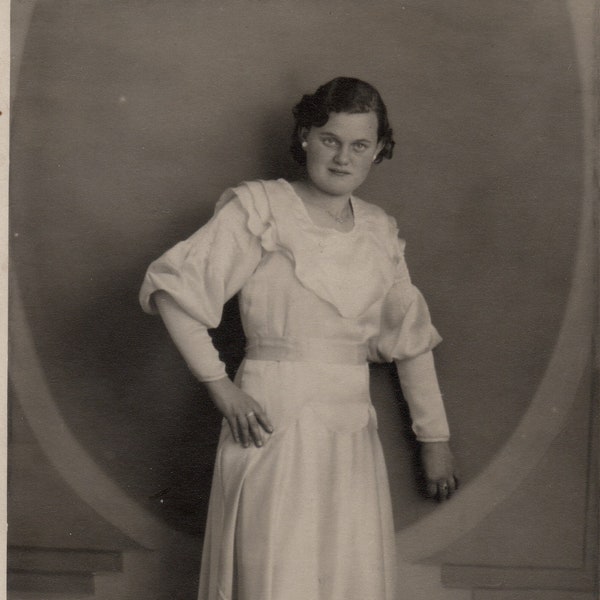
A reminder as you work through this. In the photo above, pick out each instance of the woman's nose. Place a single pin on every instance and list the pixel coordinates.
(342, 156)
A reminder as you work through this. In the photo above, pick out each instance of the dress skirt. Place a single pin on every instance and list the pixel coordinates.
(307, 516)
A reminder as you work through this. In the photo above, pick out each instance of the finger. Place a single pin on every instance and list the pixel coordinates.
(451, 486)
(264, 421)
(254, 429)
(432, 489)
(443, 491)
(244, 430)
(234, 430)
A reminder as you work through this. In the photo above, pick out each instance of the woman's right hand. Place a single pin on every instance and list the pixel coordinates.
(245, 416)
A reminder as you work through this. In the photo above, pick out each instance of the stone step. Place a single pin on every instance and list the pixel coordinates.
(62, 560)
(58, 570)
(51, 583)
(20, 595)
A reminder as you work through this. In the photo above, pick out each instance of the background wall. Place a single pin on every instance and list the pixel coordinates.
(129, 119)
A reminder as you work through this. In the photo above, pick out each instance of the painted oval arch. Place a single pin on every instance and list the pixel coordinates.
(127, 126)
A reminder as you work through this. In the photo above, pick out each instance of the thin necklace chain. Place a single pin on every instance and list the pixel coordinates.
(337, 218)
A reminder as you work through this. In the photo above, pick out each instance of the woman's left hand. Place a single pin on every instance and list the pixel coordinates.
(439, 470)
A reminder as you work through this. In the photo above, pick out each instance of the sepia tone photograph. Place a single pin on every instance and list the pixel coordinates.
(303, 300)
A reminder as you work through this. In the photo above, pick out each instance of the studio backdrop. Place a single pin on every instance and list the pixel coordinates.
(128, 121)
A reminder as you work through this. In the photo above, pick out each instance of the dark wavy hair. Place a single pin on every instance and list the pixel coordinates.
(342, 94)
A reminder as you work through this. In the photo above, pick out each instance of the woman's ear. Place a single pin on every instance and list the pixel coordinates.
(378, 149)
(303, 134)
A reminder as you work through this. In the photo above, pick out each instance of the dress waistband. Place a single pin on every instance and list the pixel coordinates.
(306, 350)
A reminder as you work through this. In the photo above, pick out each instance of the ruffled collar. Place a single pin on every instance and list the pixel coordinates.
(350, 270)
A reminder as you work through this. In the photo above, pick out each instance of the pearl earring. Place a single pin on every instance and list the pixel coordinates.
(304, 144)
(374, 157)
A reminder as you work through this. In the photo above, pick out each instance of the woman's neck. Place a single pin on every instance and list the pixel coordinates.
(326, 210)
(309, 194)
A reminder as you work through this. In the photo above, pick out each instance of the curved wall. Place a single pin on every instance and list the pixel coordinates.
(128, 122)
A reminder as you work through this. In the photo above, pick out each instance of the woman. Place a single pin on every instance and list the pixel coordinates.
(300, 505)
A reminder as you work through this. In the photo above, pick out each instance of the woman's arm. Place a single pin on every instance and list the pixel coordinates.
(422, 393)
(245, 416)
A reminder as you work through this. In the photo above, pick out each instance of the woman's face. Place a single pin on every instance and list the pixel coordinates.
(339, 155)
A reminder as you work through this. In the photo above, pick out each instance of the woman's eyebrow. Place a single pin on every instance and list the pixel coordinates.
(331, 134)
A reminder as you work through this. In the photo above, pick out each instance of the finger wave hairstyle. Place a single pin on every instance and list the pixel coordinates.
(342, 94)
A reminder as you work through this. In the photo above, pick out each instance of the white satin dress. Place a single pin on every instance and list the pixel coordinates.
(307, 516)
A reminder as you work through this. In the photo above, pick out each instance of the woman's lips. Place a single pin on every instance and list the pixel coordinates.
(339, 172)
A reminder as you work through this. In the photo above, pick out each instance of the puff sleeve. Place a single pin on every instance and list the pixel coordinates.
(406, 329)
(407, 337)
(199, 275)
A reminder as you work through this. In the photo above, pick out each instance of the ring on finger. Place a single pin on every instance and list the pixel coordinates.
(250, 414)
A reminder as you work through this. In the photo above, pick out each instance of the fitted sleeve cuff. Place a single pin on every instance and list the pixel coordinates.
(214, 374)
(192, 339)
(422, 393)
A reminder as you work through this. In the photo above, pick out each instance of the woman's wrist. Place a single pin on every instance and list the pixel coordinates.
(217, 388)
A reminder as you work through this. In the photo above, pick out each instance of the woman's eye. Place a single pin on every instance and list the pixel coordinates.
(360, 146)
(329, 141)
